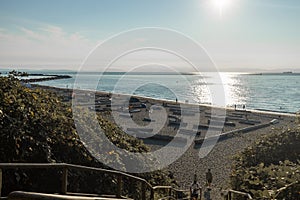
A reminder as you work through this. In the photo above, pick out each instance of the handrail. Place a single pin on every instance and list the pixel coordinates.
(171, 189)
(65, 167)
(230, 192)
(278, 192)
(62, 165)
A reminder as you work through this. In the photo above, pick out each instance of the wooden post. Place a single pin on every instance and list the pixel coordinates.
(143, 191)
(119, 186)
(64, 181)
(200, 193)
(0, 181)
(170, 192)
(152, 194)
(229, 195)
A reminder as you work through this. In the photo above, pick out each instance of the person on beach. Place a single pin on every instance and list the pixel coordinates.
(176, 100)
(207, 194)
(195, 189)
(209, 177)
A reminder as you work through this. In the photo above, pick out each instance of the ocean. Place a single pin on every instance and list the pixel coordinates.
(277, 92)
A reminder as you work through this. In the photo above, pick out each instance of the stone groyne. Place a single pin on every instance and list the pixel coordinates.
(46, 78)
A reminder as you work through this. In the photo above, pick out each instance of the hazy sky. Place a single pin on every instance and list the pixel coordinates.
(239, 35)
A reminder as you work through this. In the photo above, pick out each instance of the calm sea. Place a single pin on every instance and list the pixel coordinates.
(278, 92)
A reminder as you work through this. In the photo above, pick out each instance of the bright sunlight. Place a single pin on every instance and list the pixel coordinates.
(221, 5)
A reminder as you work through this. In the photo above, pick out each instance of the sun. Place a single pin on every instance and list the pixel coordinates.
(221, 5)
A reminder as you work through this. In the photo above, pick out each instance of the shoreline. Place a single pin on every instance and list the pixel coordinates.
(257, 111)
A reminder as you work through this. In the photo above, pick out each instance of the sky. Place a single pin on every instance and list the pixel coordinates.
(237, 35)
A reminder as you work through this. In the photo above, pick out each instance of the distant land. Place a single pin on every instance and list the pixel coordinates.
(61, 71)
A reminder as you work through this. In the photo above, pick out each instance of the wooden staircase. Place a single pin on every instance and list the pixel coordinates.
(147, 190)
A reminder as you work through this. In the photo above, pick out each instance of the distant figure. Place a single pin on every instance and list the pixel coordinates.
(194, 189)
(207, 194)
(209, 177)
(176, 100)
(244, 107)
(234, 106)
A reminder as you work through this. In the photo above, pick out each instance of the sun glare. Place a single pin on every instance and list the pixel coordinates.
(221, 5)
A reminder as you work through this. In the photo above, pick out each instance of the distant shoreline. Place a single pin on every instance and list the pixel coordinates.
(281, 106)
(258, 111)
(48, 72)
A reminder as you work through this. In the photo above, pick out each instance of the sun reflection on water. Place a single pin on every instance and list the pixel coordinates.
(206, 85)
(234, 93)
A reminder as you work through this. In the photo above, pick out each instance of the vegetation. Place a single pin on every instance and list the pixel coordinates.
(270, 165)
(16, 73)
(37, 127)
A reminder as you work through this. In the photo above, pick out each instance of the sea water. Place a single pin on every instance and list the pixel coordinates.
(278, 92)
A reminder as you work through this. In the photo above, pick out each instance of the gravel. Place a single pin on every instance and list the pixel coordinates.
(219, 160)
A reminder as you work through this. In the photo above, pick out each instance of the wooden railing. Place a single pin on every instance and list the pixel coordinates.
(280, 190)
(174, 193)
(230, 194)
(64, 179)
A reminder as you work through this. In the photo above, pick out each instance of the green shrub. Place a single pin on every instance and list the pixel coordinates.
(37, 127)
(271, 163)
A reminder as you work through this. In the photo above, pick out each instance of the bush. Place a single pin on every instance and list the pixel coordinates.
(271, 163)
(37, 127)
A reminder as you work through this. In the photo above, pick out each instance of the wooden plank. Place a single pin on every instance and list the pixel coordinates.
(143, 191)
(64, 181)
(119, 186)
